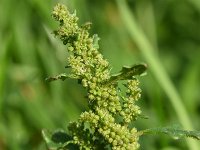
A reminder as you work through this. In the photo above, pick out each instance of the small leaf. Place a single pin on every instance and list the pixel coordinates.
(173, 131)
(60, 136)
(62, 77)
(95, 41)
(47, 137)
(128, 72)
(58, 139)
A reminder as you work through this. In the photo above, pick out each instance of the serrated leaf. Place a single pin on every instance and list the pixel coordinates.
(128, 72)
(174, 132)
(62, 76)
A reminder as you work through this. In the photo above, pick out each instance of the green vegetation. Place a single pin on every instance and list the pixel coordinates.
(28, 54)
(106, 124)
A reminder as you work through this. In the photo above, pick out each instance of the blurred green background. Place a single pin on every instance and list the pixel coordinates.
(29, 53)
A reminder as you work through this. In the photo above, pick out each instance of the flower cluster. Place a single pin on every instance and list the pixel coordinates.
(98, 125)
(130, 111)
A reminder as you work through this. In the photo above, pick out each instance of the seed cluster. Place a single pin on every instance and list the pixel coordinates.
(99, 124)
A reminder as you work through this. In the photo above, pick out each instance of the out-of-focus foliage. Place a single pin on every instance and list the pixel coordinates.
(29, 54)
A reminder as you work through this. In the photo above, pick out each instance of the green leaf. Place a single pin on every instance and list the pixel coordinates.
(174, 132)
(58, 139)
(61, 76)
(95, 41)
(128, 72)
(50, 144)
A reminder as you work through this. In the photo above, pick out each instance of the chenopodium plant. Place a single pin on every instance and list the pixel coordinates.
(106, 124)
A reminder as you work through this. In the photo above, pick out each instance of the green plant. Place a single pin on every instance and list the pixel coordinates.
(110, 110)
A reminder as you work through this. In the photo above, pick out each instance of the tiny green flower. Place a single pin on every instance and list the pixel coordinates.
(99, 124)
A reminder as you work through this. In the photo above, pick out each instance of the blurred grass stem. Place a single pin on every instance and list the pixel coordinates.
(196, 4)
(156, 67)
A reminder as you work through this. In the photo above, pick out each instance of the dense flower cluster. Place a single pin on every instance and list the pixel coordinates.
(99, 123)
(130, 111)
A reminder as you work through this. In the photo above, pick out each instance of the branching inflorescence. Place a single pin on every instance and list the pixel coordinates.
(98, 127)
(106, 124)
